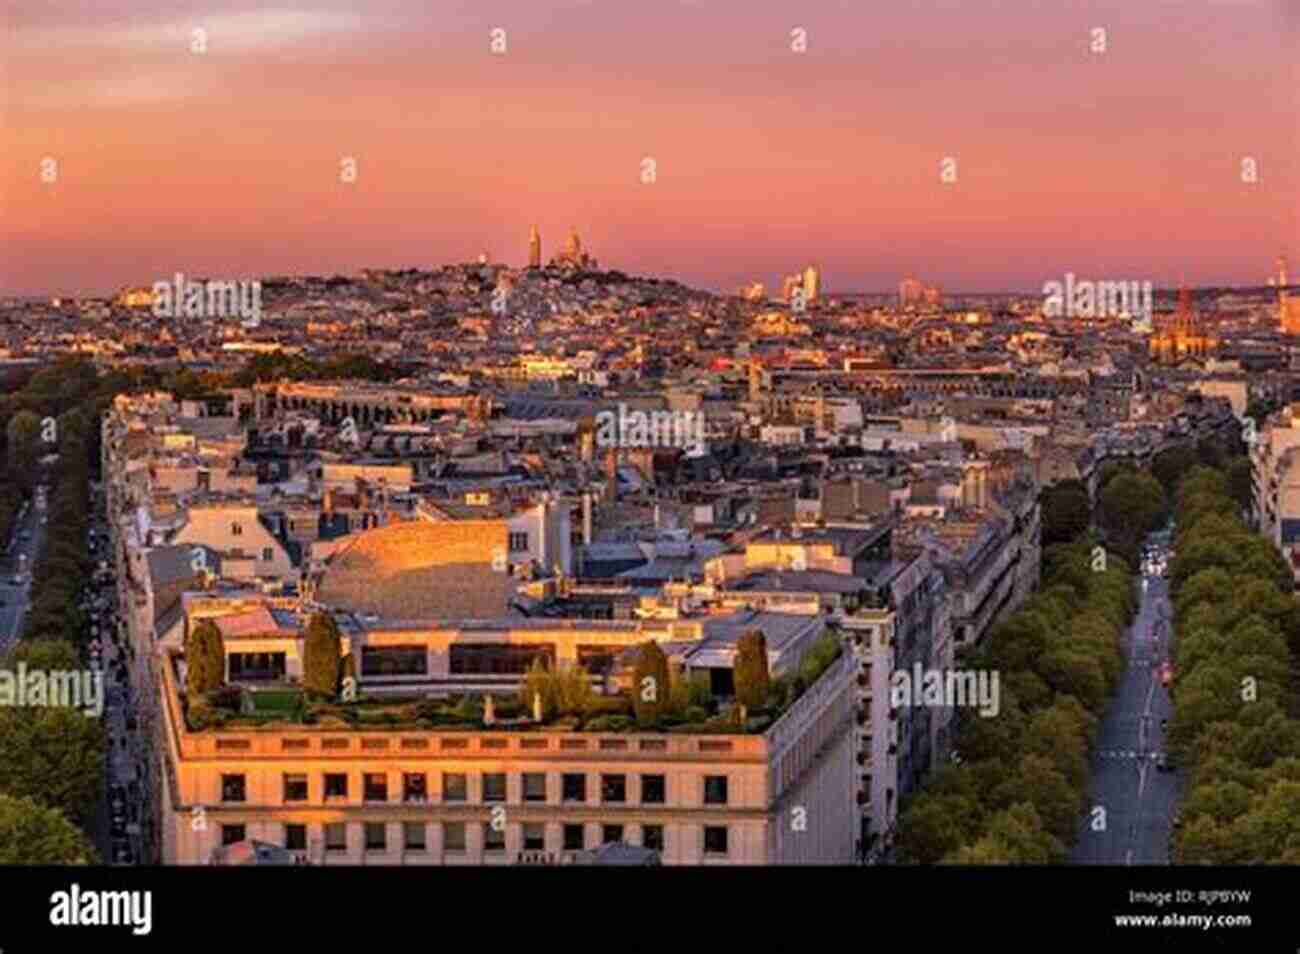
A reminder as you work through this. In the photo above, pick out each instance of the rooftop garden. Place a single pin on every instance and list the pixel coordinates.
(656, 697)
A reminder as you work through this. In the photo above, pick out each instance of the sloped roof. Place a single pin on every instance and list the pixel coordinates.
(421, 569)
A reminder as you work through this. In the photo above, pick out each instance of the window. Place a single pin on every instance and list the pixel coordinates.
(336, 836)
(574, 838)
(534, 836)
(455, 787)
(534, 786)
(652, 836)
(494, 787)
(232, 788)
(267, 554)
(519, 541)
(376, 836)
(295, 788)
(336, 785)
(494, 838)
(597, 660)
(610, 833)
(394, 661)
(414, 787)
(715, 839)
(453, 836)
(295, 837)
(613, 788)
(494, 659)
(715, 790)
(236, 530)
(376, 787)
(255, 667)
(653, 789)
(230, 834)
(575, 788)
(413, 836)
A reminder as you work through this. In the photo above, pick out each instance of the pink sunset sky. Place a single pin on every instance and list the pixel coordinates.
(1121, 165)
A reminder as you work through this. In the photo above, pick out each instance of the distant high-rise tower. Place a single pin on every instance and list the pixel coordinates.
(1288, 306)
(534, 248)
(910, 291)
(791, 284)
(573, 248)
(812, 284)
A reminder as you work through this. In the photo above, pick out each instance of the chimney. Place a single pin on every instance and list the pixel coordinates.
(544, 529)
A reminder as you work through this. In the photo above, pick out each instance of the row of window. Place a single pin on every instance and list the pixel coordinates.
(479, 659)
(455, 787)
(414, 835)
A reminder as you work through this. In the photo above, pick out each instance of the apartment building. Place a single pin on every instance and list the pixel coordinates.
(1275, 468)
(248, 548)
(416, 797)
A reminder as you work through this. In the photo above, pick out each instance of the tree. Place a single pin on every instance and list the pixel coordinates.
(322, 659)
(936, 825)
(205, 660)
(47, 655)
(1036, 781)
(1171, 465)
(53, 755)
(1066, 512)
(24, 443)
(1129, 507)
(1240, 483)
(751, 671)
(33, 834)
(989, 850)
(650, 686)
(1021, 830)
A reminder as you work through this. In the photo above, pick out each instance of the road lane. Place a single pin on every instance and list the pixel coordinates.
(1135, 799)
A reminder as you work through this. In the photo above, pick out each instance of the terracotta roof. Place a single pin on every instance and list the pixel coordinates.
(258, 622)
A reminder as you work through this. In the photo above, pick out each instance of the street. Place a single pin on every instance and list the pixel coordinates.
(1136, 799)
(18, 558)
(117, 828)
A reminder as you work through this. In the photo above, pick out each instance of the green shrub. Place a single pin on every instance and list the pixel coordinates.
(651, 687)
(753, 680)
(608, 705)
(695, 714)
(701, 690)
(610, 723)
(199, 716)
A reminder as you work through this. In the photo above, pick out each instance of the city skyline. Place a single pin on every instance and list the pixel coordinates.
(1066, 159)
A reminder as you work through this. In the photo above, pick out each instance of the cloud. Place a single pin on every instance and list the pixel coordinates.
(242, 32)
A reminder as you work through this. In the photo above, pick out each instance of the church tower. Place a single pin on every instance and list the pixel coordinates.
(534, 248)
